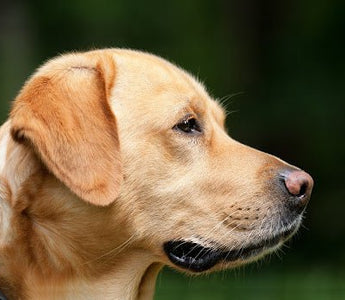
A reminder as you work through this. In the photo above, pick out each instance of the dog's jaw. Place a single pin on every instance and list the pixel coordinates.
(196, 258)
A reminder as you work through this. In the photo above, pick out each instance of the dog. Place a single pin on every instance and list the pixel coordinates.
(114, 163)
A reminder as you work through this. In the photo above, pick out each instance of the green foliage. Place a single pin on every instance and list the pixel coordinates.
(305, 284)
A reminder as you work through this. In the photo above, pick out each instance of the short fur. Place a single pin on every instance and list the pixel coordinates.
(95, 177)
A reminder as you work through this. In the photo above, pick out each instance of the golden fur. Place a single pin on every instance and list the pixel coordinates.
(94, 179)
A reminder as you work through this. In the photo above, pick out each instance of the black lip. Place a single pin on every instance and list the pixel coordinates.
(191, 256)
(197, 258)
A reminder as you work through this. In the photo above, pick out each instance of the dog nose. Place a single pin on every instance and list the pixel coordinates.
(299, 184)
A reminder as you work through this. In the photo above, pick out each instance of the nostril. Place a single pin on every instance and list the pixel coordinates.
(303, 190)
(298, 183)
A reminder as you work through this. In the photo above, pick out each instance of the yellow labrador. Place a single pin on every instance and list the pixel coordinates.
(114, 163)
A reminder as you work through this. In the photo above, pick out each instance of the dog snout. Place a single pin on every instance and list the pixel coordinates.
(298, 184)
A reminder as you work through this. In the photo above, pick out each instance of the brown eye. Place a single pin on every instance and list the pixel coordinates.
(189, 125)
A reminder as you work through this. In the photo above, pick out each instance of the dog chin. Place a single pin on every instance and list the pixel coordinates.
(197, 258)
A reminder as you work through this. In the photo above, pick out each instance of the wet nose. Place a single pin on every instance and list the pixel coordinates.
(298, 184)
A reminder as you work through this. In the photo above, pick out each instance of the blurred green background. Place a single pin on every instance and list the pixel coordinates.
(283, 62)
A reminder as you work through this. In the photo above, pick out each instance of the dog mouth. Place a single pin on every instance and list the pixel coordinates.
(197, 258)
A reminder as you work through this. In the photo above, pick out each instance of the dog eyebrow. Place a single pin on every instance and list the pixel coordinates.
(190, 106)
(184, 106)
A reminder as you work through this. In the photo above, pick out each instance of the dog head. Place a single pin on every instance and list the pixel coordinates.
(130, 130)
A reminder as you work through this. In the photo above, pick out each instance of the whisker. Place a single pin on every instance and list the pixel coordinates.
(119, 248)
(224, 101)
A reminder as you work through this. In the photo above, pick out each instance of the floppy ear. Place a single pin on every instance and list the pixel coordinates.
(63, 112)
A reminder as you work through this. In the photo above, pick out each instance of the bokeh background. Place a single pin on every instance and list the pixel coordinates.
(280, 68)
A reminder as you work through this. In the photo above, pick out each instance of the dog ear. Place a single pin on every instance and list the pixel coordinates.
(64, 113)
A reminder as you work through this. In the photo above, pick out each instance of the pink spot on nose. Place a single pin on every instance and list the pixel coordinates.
(299, 184)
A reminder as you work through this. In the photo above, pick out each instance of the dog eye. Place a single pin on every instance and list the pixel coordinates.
(189, 125)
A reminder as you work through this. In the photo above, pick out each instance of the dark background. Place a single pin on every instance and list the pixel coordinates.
(281, 63)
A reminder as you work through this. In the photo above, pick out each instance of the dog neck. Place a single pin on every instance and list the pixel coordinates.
(132, 280)
(54, 245)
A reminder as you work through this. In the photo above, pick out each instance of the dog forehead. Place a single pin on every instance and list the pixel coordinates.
(141, 73)
(150, 84)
